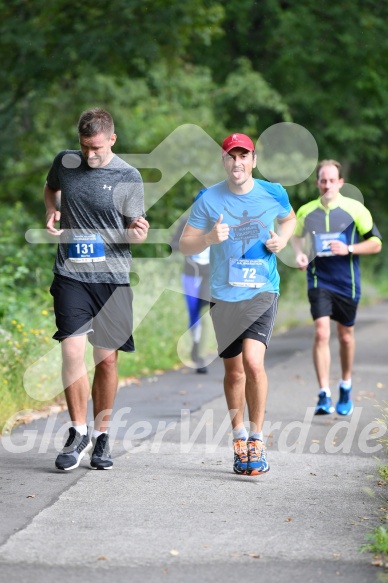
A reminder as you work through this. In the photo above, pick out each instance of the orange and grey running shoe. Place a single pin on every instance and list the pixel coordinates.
(257, 458)
(240, 456)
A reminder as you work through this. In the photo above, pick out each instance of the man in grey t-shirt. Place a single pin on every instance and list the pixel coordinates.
(99, 200)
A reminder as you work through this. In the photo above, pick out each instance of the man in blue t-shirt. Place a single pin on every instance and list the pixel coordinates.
(332, 232)
(235, 218)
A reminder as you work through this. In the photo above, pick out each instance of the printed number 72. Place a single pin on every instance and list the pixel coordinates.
(249, 272)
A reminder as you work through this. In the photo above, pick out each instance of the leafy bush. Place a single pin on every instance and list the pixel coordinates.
(25, 270)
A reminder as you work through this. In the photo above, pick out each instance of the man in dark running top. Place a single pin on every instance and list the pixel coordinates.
(331, 233)
(98, 199)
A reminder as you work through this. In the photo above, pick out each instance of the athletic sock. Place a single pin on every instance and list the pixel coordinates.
(346, 384)
(82, 429)
(327, 391)
(97, 433)
(240, 433)
(256, 435)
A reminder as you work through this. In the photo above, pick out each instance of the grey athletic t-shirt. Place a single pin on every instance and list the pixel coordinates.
(97, 205)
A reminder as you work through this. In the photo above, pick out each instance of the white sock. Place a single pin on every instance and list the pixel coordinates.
(346, 384)
(256, 435)
(327, 391)
(97, 433)
(82, 429)
(240, 433)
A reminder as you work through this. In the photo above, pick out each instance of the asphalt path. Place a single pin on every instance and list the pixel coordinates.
(172, 509)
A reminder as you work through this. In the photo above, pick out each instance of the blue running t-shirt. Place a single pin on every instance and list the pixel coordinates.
(241, 266)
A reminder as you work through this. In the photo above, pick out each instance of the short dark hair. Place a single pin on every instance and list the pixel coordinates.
(329, 163)
(95, 121)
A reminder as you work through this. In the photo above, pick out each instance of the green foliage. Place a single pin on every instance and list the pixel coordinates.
(328, 66)
(24, 341)
(378, 542)
(25, 305)
(245, 96)
(223, 66)
(378, 539)
(54, 50)
(25, 269)
(156, 338)
(383, 472)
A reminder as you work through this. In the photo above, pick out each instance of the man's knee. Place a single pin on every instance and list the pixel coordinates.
(107, 360)
(234, 375)
(322, 331)
(73, 350)
(254, 368)
(346, 335)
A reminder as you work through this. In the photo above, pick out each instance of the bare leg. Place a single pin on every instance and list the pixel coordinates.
(234, 387)
(75, 378)
(256, 382)
(321, 351)
(104, 387)
(347, 349)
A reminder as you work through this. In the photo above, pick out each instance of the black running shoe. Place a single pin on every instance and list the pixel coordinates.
(100, 458)
(76, 447)
(202, 370)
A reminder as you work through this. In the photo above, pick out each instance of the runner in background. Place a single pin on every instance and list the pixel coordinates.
(195, 283)
(332, 232)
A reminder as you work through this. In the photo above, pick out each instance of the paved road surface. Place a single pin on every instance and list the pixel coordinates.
(172, 510)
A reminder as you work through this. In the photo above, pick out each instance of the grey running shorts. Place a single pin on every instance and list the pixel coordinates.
(234, 321)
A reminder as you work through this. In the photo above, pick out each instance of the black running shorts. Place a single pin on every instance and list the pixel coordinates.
(234, 321)
(103, 311)
(324, 302)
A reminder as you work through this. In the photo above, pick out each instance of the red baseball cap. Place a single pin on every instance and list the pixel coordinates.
(237, 141)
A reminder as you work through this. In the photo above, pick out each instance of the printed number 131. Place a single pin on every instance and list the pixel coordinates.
(84, 248)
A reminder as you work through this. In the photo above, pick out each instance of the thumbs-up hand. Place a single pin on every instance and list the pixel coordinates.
(275, 243)
(220, 231)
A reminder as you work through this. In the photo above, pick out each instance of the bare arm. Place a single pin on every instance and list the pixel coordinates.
(301, 258)
(279, 240)
(195, 241)
(52, 201)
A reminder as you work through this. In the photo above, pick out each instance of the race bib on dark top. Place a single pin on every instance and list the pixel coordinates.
(248, 272)
(86, 249)
(322, 242)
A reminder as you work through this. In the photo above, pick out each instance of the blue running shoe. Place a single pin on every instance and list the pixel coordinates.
(345, 404)
(324, 405)
(257, 458)
(240, 456)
